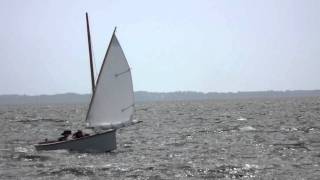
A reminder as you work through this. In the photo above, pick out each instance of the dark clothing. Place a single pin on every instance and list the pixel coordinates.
(66, 132)
(65, 135)
(77, 134)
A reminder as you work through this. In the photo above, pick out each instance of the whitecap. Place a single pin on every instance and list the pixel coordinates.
(250, 166)
(241, 119)
(247, 128)
(21, 149)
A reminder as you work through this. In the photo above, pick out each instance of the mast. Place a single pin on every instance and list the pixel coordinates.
(90, 54)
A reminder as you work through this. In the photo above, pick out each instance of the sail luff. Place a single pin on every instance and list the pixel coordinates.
(99, 75)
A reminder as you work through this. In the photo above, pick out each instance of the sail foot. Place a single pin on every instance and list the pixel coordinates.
(114, 125)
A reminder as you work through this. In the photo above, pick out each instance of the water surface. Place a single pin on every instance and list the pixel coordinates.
(240, 139)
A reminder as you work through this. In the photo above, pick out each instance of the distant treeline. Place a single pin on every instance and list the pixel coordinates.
(72, 98)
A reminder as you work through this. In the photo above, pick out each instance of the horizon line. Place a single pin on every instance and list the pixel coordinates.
(168, 92)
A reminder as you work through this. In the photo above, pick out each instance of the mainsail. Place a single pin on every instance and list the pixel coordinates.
(112, 102)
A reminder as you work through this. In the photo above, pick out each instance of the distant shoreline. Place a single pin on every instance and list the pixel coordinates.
(144, 96)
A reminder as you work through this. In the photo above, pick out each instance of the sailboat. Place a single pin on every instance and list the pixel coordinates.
(111, 106)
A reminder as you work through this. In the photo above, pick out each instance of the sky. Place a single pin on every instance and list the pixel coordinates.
(170, 45)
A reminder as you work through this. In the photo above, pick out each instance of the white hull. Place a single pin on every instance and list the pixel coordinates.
(102, 142)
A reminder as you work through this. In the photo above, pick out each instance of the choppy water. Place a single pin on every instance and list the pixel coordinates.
(242, 139)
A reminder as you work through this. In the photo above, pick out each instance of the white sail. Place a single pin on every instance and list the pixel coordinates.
(112, 103)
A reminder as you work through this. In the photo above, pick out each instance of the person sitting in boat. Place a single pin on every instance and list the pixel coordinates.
(77, 134)
(65, 135)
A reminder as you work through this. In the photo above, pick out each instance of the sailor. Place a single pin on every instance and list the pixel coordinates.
(65, 135)
(77, 134)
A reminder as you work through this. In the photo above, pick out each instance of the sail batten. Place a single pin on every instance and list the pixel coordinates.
(113, 91)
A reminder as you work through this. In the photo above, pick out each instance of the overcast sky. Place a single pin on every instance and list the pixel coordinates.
(198, 45)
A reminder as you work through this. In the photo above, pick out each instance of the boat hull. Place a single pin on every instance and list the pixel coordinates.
(102, 142)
